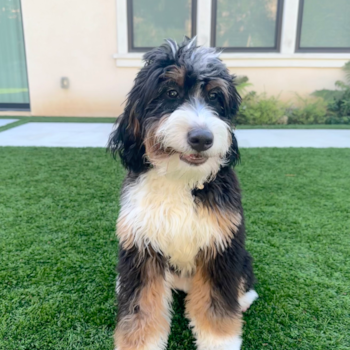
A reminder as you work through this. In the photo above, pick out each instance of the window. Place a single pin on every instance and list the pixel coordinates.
(14, 92)
(150, 22)
(252, 28)
(324, 26)
(247, 25)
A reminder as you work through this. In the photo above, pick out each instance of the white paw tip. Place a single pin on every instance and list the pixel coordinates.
(247, 299)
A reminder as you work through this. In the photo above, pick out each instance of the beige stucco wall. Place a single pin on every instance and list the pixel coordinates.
(77, 39)
(287, 82)
(74, 39)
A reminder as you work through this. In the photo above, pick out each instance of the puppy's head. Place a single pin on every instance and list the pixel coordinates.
(178, 114)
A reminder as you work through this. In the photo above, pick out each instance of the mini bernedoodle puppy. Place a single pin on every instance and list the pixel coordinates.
(181, 223)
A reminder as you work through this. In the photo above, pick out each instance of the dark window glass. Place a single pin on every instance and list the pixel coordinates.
(150, 22)
(324, 24)
(248, 24)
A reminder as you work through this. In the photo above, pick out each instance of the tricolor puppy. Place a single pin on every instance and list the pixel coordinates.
(181, 222)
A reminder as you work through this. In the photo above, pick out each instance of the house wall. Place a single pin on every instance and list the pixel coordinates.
(77, 39)
(74, 39)
(288, 82)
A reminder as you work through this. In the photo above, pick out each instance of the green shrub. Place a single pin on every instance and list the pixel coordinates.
(331, 95)
(325, 107)
(346, 69)
(340, 107)
(337, 120)
(338, 100)
(260, 110)
(308, 111)
(328, 95)
(242, 83)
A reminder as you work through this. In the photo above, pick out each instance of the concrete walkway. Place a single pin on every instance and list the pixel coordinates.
(4, 122)
(96, 135)
(57, 135)
(320, 138)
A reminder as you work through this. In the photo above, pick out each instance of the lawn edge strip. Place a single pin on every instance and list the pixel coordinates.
(112, 120)
(12, 125)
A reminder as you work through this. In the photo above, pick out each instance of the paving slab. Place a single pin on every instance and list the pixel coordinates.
(4, 122)
(96, 135)
(315, 138)
(57, 135)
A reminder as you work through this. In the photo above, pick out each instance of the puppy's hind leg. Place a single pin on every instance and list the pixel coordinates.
(144, 297)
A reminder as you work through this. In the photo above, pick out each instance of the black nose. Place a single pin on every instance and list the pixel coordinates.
(200, 139)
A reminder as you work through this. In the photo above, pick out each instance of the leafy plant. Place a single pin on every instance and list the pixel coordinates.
(325, 107)
(341, 106)
(337, 120)
(308, 111)
(338, 100)
(328, 95)
(346, 69)
(260, 110)
(242, 83)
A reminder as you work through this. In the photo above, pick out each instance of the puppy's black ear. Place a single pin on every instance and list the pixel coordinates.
(233, 154)
(126, 141)
(234, 100)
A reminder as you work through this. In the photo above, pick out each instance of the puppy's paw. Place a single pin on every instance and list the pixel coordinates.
(247, 299)
(233, 343)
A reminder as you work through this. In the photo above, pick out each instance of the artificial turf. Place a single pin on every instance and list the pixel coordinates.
(58, 249)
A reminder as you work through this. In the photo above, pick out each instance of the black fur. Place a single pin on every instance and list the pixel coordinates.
(223, 192)
(232, 267)
(227, 271)
(133, 269)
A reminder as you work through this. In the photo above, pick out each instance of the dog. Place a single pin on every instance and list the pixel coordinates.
(181, 223)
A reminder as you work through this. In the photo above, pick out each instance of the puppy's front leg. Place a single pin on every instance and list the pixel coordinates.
(212, 303)
(215, 325)
(144, 298)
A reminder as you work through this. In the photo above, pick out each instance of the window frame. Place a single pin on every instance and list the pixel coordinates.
(20, 107)
(300, 49)
(278, 32)
(130, 25)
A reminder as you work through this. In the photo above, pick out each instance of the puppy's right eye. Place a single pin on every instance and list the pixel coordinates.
(213, 96)
(173, 93)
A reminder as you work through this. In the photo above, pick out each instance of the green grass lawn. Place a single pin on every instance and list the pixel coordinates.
(58, 249)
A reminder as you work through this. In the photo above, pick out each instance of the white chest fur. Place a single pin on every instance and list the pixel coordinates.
(161, 212)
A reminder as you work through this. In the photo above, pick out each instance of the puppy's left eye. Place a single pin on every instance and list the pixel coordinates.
(213, 96)
(173, 93)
